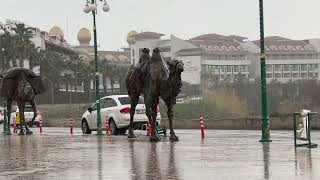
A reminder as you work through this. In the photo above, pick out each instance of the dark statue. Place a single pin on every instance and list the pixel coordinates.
(154, 78)
(20, 85)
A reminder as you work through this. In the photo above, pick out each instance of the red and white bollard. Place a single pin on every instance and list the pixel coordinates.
(40, 124)
(149, 129)
(107, 127)
(202, 126)
(71, 125)
(14, 125)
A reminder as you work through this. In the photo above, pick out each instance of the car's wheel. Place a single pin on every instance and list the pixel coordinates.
(113, 127)
(122, 131)
(85, 127)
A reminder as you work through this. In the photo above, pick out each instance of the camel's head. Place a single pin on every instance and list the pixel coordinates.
(176, 66)
(25, 90)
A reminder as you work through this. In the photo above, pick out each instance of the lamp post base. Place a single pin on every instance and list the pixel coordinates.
(99, 133)
(265, 140)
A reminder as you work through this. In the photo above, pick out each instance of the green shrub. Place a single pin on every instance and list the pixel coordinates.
(215, 105)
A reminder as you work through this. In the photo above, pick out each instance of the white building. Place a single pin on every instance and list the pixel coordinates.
(224, 56)
(229, 57)
(290, 59)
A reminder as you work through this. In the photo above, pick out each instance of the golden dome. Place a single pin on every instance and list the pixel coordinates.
(131, 37)
(84, 36)
(56, 31)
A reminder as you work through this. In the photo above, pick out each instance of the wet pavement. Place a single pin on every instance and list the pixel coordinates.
(223, 155)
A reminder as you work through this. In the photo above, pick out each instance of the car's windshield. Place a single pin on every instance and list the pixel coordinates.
(126, 100)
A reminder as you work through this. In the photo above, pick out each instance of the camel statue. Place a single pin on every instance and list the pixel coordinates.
(160, 79)
(20, 85)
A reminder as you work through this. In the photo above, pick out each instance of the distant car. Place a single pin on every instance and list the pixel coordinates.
(116, 109)
(28, 115)
(180, 101)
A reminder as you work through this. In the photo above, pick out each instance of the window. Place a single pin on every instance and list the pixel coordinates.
(269, 75)
(108, 102)
(278, 67)
(94, 107)
(228, 68)
(269, 68)
(313, 67)
(244, 68)
(303, 67)
(278, 75)
(126, 100)
(286, 75)
(221, 69)
(295, 75)
(286, 67)
(236, 69)
(295, 67)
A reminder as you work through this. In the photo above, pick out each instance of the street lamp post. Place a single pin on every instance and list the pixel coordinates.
(69, 88)
(52, 89)
(6, 29)
(91, 6)
(265, 122)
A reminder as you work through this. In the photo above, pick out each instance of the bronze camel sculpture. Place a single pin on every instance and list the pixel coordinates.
(156, 81)
(20, 85)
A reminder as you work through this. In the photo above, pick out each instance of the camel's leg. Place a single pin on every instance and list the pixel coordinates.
(9, 106)
(34, 107)
(173, 136)
(21, 114)
(134, 102)
(154, 134)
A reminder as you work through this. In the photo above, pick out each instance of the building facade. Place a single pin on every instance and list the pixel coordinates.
(291, 59)
(109, 62)
(231, 57)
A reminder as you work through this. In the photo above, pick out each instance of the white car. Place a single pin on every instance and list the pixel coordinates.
(116, 109)
(28, 115)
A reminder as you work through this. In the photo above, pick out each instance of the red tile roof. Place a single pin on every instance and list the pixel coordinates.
(148, 35)
(281, 44)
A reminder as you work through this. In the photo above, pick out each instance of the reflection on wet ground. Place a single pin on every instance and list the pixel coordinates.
(222, 155)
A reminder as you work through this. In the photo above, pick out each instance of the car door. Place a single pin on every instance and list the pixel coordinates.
(104, 110)
(109, 106)
(92, 117)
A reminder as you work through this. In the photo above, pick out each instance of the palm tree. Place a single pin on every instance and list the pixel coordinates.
(23, 43)
(121, 76)
(19, 47)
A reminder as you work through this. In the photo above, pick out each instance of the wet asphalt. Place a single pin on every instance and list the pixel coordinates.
(222, 155)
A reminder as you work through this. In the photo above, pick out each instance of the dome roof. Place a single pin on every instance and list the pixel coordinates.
(131, 37)
(56, 31)
(84, 36)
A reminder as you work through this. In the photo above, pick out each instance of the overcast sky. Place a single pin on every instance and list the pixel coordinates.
(297, 19)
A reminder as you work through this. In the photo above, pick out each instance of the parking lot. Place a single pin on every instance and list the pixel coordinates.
(224, 154)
